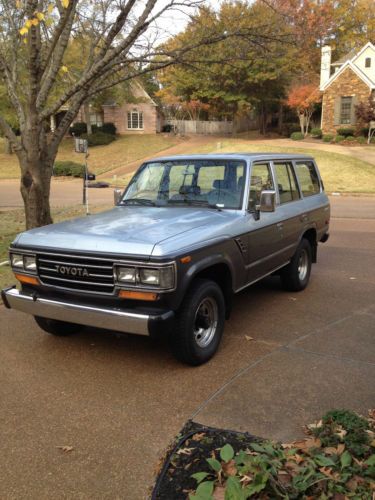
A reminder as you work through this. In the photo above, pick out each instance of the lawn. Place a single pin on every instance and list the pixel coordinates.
(125, 149)
(12, 222)
(340, 173)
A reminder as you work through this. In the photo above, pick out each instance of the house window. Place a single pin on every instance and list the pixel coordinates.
(368, 62)
(346, 110)
(135, 120)
(96, 119)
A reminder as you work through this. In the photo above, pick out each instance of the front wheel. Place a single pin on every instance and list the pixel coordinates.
(200, 323)
(59, 328)
(295, 276)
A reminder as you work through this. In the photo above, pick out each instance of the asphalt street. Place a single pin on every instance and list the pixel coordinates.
(117, 401)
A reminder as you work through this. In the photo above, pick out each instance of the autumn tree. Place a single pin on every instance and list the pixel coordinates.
(303, 99)
(237, 74)
(365, 112)
(116, 41)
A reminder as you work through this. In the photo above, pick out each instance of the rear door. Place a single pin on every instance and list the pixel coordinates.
(293, 217)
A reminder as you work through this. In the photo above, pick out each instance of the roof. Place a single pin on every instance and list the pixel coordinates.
(233, 156)
(347, 57)
(348, 61)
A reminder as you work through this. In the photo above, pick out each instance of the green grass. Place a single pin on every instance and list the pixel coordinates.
(340, 173)
(12, 222)
(124, 150)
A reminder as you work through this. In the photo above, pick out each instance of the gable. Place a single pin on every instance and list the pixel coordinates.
(348, 82)
(353, 68)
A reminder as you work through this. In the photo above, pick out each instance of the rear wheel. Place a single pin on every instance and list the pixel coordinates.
(295, 276)
(200, 323)
(59, 328)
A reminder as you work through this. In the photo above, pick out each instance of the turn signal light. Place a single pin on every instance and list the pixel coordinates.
(29, 280)
(130, 294)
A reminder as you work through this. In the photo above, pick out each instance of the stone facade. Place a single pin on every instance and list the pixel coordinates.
(345, 85)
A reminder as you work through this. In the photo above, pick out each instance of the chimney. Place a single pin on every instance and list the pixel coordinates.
(325, 66)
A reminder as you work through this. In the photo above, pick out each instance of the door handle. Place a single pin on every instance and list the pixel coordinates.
(280, 225)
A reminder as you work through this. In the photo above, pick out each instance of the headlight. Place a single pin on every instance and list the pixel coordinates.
(29, 262)
(149, 276)
(126, 274)
(162, 278)
(17, 260)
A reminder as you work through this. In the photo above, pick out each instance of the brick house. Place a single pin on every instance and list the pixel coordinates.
(140, 117)
(344, 84)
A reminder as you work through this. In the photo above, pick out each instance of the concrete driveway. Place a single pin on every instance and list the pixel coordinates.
(118, 401)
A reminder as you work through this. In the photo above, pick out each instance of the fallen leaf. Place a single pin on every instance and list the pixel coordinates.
(230, 468)
(219, 493)
(316, 425)
(198, 436)
(247, 337)
(292, 298)
(340, 448)
(341, 432)
(284, 477)
(297, 458)
(331, 450)
(307, 444)
(185, 451)
(65, 449)
(352, 278)
(328, 472)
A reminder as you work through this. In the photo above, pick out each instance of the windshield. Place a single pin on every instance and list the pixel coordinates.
(216, 183)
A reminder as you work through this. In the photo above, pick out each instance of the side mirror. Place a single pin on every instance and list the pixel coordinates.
(117, 194)
(267, 201)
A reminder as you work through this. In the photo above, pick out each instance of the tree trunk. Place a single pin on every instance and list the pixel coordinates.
(7, 147)
(35, 191)
(301, 117)
(280, 119)
(86, 108)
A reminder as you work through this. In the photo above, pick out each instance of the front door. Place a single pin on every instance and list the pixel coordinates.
(264, 237)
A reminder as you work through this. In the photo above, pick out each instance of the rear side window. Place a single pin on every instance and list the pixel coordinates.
(286, 182)
(308, 178)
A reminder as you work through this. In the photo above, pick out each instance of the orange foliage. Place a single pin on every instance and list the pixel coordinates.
(303, 97)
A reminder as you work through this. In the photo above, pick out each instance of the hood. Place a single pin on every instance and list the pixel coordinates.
(122, 230)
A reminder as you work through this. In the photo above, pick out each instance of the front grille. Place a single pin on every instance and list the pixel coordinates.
(76, 272)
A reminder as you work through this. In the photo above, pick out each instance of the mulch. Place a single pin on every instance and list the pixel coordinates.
(187, 455)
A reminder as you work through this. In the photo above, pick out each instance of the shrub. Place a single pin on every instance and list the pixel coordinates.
(339, 138)
(345, 131)
(350, 138)
(289, 128)
(68, 168)
(99, 139)
(364, 131)
(108, 128)
(328, 138)
(316, 133)
(167, 128)
(78, 129)
(297, 136)
(361, 139)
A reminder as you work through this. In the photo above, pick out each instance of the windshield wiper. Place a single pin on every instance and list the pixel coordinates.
(188, 201)
(138, 201)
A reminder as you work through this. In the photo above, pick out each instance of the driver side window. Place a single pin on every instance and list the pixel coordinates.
(261, 180)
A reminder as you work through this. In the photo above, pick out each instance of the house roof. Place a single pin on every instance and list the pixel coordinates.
(347, 57)
(349, 63)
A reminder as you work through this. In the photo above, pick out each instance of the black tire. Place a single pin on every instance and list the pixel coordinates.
(295, 276)
(200, 319)
(59, 328)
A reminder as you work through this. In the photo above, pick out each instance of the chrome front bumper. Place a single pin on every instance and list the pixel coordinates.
(98, 317)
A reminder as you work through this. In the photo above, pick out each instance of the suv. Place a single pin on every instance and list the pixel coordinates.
(188, 233)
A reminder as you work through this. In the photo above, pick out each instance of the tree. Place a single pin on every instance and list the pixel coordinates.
(302, 99)
(365, 111)
(116, 43)
(237, 74)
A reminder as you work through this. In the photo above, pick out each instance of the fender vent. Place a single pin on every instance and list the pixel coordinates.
(241, 245)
